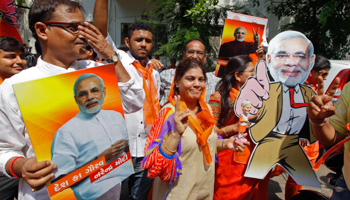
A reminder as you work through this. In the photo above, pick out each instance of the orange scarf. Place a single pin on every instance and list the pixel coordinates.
(151, 105)
(233, 94)
(202, 125)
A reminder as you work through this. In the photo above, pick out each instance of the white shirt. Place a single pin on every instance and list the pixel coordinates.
(83, 138)
(135, 122)
(14, 139)
(292, 119)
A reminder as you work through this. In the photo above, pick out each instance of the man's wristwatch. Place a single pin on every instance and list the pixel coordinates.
(114, 59)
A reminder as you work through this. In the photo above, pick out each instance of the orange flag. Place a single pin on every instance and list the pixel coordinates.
(8, 20)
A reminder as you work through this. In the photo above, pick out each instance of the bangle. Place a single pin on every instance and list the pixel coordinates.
(169, 149)
(225, 132)
(223, 144)
(321, 124)
(11, 170)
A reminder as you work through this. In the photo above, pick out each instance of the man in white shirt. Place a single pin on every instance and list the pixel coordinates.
(62, 32)
(195, 49)
(91, 134)
(12, 61)
(140, 42)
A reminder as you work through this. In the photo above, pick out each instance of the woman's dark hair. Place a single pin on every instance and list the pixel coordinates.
(235, 64)
(183, 67)
(321, 63)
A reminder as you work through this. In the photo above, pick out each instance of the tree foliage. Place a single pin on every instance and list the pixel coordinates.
(188, 19)
(324, 22)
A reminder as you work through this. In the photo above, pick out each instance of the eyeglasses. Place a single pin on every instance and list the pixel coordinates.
(282, 57)
(70, 27)
(192, 52)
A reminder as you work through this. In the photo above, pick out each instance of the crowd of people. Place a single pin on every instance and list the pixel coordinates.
(180, 126)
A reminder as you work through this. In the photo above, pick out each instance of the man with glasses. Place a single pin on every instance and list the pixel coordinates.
(281, 109)
(57, 25)
(195, 49)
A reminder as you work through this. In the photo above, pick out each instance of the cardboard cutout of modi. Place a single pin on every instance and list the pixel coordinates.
(281, 107)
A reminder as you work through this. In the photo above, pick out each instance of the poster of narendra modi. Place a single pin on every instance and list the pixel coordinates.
(241, 36)
(75, 120)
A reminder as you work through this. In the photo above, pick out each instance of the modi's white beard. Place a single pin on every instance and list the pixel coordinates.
(240, 40)
(289, 80)
(93, 110)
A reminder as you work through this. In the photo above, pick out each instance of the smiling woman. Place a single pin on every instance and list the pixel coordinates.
(180, 148)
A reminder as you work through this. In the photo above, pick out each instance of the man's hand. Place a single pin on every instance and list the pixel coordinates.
(156, 64)
(235, 145)
(115, 149)
(321, 105)
(260, 52)
(180, 117)
(96, 40)
(36, 174)
(256, 35)
(256, 89)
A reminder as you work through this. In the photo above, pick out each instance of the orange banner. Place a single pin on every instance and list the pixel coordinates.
(110, 167)
(75, 176)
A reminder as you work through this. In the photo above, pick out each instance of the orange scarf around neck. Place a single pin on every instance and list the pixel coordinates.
(202, 125)
(151, 105)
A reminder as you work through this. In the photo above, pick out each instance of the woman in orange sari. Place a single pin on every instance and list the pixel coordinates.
(180, 149)
(229, 180)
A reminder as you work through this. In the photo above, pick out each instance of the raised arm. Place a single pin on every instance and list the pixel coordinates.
(319, 109)
(101, 16)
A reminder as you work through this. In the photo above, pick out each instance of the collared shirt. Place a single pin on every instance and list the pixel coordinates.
(83, 138)
(292, 119)
(339, 121)
(167, 77)
(137, 129)
(14, 139)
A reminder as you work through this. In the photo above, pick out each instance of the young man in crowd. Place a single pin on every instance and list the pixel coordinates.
(12, 61)
(140, 42)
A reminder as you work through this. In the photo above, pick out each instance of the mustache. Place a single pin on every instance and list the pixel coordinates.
(91, 101)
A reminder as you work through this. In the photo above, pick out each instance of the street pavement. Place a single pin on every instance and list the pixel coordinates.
(277, 184)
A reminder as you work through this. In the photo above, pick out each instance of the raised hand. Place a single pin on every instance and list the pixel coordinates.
(256, 35)
(36, 174)
(180, 117)
(96, 40)
(321, 105)
(256, 89)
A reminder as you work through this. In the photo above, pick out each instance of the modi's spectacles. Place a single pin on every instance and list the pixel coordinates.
(70, 27)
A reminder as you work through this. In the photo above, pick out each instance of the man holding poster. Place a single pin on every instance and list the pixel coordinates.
(60, 28)
(86, 137)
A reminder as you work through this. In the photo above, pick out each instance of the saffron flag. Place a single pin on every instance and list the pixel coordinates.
(8, 20)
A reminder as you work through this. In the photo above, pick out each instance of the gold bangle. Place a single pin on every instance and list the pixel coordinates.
(223, 144)
(225, 132)
(168, 148)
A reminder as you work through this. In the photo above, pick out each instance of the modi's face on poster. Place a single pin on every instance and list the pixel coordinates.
(240, 34)
(290, 61)
(90, 95)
